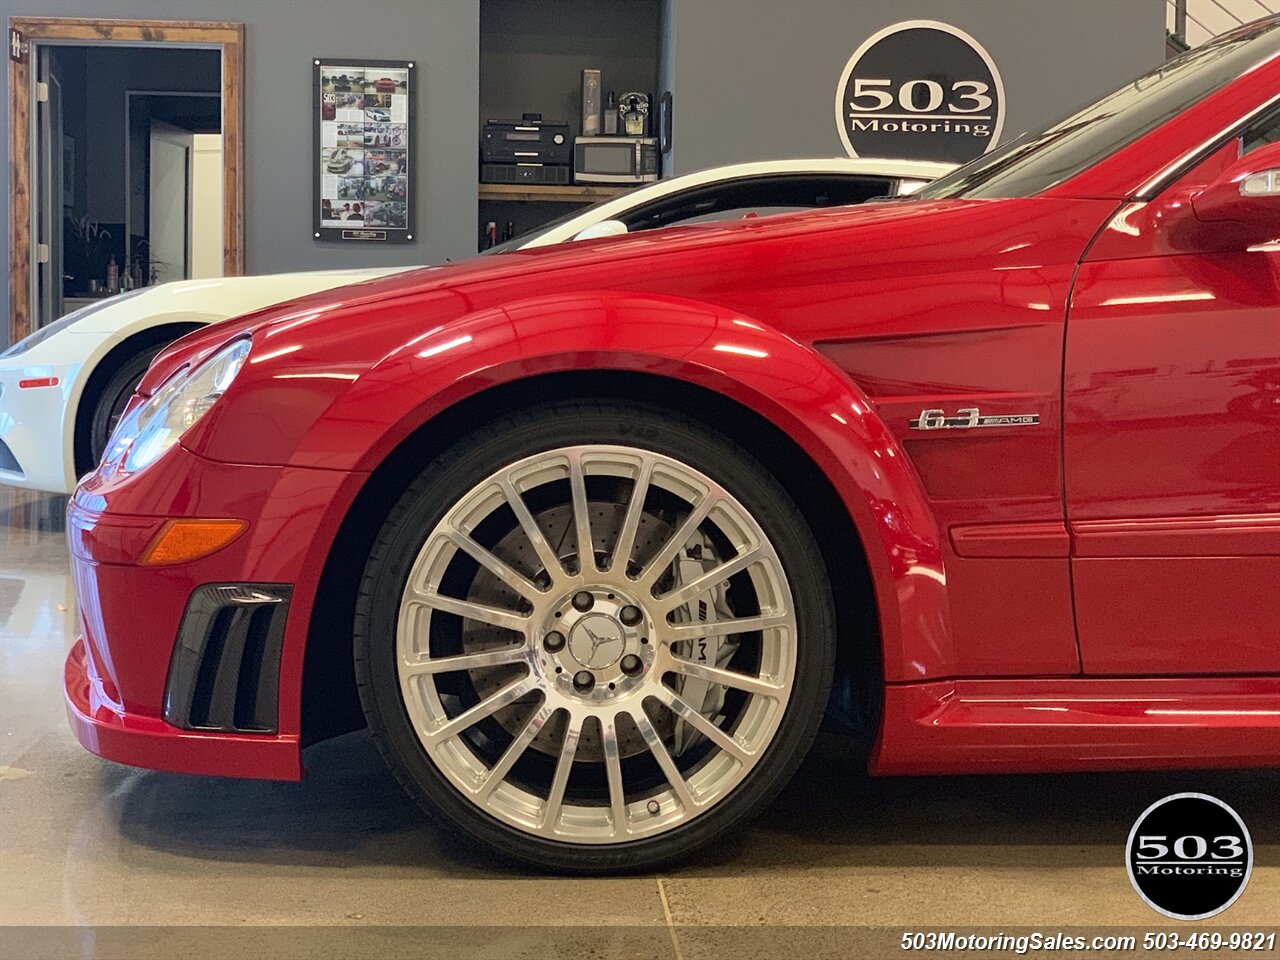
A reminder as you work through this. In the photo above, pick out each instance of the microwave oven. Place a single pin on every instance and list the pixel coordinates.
(615, 159)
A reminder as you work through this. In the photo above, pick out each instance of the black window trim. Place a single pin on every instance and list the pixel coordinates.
(892, 184)
(1173, 171)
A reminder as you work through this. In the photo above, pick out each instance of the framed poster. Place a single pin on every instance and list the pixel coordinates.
(364, 156)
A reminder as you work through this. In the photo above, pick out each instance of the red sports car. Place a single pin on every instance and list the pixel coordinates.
(593, 536)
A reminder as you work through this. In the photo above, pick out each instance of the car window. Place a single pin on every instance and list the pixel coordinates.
(764, 195)
(760, 196)
(1038, 160)
(1263, 133)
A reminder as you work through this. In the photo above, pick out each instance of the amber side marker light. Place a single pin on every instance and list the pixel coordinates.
(182, 540)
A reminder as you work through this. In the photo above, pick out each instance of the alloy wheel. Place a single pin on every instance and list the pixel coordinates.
(596, 644)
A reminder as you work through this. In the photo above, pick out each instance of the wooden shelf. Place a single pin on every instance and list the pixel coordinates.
(549, 192)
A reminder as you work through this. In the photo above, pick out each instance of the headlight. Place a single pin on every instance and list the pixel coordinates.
(155, 425)
(75, 316)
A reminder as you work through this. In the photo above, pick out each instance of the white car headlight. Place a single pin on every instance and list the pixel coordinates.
(156, 424)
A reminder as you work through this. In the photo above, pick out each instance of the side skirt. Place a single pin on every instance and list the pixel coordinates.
(1034, 726)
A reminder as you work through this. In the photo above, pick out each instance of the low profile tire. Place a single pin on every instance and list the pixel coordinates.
(603, 709)
(110, 401)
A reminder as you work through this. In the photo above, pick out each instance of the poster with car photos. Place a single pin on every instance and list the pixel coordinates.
(363, 150)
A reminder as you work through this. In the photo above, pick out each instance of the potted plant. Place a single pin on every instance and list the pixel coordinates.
(93, 248)
(144, 264)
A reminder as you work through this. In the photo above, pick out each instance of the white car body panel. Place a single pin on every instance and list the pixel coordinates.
(38, 424)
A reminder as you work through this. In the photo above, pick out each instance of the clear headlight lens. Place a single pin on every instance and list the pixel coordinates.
(155, 425)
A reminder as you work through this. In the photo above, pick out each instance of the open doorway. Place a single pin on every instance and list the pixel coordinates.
(173, 182)
(126, 157)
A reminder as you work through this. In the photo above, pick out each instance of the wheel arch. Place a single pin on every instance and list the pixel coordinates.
(329, 702)
(755, 383)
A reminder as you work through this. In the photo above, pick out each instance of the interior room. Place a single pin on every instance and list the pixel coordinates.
(128, 229)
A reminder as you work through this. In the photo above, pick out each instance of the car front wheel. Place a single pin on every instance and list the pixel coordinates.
(594, 637)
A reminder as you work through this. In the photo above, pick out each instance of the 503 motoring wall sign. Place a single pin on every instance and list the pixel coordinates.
(920, 90)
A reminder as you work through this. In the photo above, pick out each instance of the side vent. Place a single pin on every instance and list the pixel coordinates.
(225, 670)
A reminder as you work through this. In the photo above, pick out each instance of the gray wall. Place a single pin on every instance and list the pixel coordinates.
(756, 79)
(282, 37)
(752, 79)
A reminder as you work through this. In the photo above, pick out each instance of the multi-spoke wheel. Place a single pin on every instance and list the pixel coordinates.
(591, 650)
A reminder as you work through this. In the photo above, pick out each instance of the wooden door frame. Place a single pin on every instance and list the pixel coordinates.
(226, 35)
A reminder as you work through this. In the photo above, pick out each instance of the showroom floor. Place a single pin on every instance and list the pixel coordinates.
(86, 842)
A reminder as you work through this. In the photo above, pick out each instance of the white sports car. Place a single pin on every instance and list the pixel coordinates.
(63, 388)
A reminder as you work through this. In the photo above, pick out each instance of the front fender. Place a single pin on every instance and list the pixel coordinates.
(43, 423)
(757, 366)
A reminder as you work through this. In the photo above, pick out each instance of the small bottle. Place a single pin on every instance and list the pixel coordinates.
(490, 234)
(113, 276)
(509, 232)
(611, 116)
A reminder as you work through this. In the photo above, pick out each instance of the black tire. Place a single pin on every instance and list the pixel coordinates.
(110, 401)
(468, 462)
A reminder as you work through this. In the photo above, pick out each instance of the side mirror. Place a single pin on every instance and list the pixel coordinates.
(1245, 197)
(605, 228)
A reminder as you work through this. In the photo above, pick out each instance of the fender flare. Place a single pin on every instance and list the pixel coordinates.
(749, 362)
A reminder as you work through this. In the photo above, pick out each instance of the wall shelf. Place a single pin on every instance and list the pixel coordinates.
(549, 192)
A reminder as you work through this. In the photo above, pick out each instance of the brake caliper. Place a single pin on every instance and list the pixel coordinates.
(696, 559)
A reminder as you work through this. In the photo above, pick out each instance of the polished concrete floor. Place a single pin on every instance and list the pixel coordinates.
(99, 860)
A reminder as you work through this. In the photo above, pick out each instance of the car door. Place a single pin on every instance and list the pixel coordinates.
(1172, 442)
(757, 196)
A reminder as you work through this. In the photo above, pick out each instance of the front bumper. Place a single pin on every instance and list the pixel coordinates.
(35, 438)
(103, 727)
(130, 697)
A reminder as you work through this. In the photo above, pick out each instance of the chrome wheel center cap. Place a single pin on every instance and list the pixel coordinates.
(597, 641)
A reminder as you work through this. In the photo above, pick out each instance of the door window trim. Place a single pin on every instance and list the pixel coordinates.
(1185, 163)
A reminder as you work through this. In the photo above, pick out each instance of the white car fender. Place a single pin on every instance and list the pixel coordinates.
(39, 425)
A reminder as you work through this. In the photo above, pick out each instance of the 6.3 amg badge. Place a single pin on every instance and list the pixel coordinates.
(967, 418)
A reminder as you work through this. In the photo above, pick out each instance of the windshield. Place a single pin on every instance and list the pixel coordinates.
(518, 241)
(1038, 160)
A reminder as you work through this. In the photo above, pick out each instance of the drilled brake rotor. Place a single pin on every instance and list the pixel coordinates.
(556, 523)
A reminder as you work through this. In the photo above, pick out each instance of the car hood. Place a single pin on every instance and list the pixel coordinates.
(205, 301)
(404, 301)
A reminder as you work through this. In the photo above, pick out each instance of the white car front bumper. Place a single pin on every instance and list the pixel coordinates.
(35, 439)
